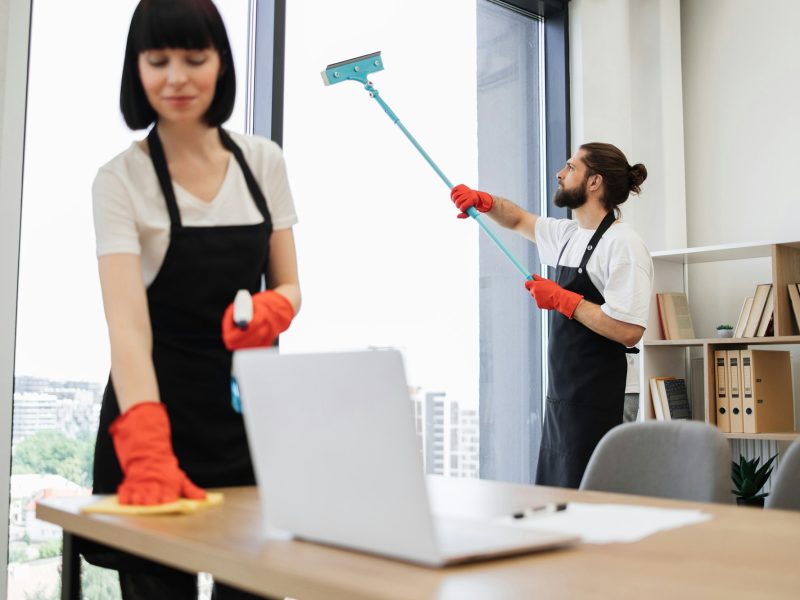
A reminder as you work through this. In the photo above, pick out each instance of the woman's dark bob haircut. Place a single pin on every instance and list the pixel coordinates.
(186, 24)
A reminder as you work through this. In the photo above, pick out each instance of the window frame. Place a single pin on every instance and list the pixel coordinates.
(268, 121)
(15, 22)
(555, 14)
(517, 458)
(265, 98)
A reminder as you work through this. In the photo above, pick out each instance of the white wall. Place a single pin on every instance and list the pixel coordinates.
(14, 26)
(625, 80)
(741, 91)
(705, 94)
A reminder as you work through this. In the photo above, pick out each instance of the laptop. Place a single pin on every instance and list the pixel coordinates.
(337, 460)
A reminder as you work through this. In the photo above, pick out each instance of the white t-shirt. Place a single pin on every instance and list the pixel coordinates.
(632, 379)
(620, 266)
(130, 212)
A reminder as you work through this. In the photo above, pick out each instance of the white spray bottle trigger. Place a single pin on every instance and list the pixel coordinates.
(242, 309)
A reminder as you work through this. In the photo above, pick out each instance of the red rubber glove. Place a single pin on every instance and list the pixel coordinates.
(549, 295)
(143, 444)
(464, 197)
(272, 314)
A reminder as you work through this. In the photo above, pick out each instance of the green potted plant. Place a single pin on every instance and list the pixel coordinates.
(748, 478)
(725, 330)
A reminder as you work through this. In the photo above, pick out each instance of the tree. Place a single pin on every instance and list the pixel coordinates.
(50, 549)
(99, 584)
(52, 452)
(17, 554)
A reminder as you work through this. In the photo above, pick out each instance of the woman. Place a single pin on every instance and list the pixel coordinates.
(183, 220)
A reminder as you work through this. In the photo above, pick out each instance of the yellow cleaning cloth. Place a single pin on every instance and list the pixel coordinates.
(109, 505)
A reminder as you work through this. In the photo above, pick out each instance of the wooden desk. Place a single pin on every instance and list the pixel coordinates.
(740, 553)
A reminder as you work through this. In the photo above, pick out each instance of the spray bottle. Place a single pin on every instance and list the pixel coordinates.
(242, 315)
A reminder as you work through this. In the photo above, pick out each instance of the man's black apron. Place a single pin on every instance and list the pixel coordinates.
(201, 273)
(586, 389)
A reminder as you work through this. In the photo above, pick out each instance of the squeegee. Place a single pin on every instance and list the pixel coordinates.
(358, 69)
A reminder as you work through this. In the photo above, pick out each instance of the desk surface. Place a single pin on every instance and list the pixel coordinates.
(740, 553)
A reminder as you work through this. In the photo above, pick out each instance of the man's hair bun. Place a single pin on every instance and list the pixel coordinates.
(636, 176)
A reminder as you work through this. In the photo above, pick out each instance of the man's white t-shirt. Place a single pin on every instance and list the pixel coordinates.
(632, 380)
(620, 266)
(130, 212)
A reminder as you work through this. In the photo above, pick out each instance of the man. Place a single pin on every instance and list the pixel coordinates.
(600, 300)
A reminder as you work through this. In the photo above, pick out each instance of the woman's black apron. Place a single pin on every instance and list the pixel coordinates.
(203, 269)
(586, 389)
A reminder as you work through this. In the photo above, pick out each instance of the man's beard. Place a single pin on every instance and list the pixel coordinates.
(571, 199)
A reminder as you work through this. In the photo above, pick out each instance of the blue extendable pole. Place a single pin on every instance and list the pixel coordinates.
(471, 210)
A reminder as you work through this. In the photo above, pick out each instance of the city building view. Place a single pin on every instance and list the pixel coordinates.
(54, 427)
(448, 434)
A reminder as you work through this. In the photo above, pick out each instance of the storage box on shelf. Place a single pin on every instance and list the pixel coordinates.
(673, 357)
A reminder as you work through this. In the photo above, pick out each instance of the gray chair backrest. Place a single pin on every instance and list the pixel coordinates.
(785, 492)
(685, 460)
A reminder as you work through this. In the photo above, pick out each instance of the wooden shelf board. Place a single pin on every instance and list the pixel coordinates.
(780, 339)
(780, 436)
(789, 436)
(674, 343)
(690, 256)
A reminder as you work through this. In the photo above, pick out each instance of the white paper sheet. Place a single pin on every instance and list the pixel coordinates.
(610, 523)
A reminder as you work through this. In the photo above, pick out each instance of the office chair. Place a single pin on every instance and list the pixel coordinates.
(785, 491)
(685, 460)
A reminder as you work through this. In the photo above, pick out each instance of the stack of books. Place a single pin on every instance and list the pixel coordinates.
(757, 314)
(794, 297)
(674, 316)
(670, 398)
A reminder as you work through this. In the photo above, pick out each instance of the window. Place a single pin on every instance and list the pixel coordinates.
(62, 357)
(522, 141)
(383, 260)
(509, 92)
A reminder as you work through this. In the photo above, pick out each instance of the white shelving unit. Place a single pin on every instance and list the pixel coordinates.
(674, 357)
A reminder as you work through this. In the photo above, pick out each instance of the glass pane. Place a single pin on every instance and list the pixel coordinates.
(62, 358)
(510, 151)
(384, 262)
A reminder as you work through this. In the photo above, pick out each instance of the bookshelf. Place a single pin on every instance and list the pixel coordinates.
(673, 273)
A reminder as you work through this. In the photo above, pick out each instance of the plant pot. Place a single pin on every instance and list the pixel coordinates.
(759, 502)
(724, 333)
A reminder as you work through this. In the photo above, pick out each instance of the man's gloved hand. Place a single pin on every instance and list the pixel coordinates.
(464, 197)
(272, 314)
(549, 295)
(143, 444)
